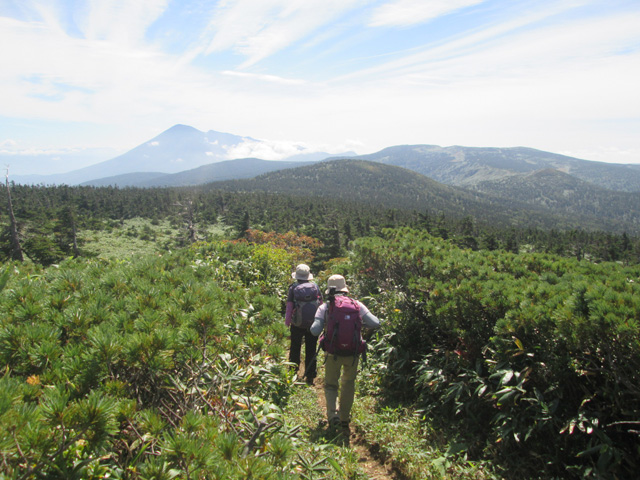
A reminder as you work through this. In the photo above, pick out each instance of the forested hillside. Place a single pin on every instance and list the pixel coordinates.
(392, 187)
(562, 193)
(55, 222)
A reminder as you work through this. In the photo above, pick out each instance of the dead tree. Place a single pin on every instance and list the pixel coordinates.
(16, 248)
(188, 216)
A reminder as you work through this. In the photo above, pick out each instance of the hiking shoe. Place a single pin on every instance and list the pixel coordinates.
(335, 423)
(310, 381)
(345, 426)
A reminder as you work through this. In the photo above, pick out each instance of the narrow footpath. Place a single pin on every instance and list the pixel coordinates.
(373, 468)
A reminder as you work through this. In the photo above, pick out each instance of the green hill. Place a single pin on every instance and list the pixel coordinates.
(389, 186)
(561, 193)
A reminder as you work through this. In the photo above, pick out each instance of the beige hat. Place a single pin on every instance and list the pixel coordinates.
(303, 272)
(338, 282)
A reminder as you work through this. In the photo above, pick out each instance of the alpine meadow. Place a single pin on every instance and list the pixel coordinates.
(142, 330)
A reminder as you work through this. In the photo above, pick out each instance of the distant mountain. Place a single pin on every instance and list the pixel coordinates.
(468, 166)
(388, 186)
(227, 170)
(178, 149)
(128, 180)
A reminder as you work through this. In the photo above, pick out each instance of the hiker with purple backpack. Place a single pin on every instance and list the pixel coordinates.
(341, 318)
(303, 299)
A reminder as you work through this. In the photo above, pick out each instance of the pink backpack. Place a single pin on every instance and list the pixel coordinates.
(343, 327)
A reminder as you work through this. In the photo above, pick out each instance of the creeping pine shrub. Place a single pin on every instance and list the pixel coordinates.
(154, 367)
(534, 357)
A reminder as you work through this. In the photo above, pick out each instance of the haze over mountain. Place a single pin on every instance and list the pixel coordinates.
(584, 193)
(213, 172)
(178, 149)
(468, 166)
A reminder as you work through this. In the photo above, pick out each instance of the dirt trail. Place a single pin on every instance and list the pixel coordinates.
(373, 468)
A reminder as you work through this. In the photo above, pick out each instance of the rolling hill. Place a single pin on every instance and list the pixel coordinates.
(468, 166)
(566, 195)
(389, 186)
(227, 170)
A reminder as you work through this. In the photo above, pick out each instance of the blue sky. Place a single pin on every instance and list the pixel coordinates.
(93, 78)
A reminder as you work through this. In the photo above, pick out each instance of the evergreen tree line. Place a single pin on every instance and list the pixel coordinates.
(50, 217)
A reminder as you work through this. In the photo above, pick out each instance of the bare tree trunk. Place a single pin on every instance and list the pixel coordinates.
(189, 219)
(16, 249)
(76, 250)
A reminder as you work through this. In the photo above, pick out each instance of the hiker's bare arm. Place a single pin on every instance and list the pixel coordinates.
(371, 321)
(318, 321)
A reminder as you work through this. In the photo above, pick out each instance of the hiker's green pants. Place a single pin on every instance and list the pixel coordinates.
(340, 376)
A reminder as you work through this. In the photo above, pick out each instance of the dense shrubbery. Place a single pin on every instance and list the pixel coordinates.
(168, 366)
(153, 368)
(533, 359)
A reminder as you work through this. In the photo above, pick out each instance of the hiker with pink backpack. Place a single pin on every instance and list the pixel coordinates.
(303, 299)
(341, 318)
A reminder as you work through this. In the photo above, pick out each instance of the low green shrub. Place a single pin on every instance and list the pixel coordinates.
(153, 366)
(536, 358)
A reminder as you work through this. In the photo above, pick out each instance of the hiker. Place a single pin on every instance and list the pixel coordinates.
(303, 299)
(343, 347)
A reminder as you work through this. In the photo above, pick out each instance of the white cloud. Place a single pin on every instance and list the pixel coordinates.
(8, 144)
(543, 78)
(266, 149)
(122, 22)
(257, 29)
(265, 78)
(514, 55)
(33, 151)
(410, 12)
(153, 144)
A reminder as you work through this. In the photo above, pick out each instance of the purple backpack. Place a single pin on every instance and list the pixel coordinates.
(306, 300)
(343, 328)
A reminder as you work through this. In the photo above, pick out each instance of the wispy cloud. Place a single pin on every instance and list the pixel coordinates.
(123, 22)
(529, 45)
(380, 72)
(410, 12)
(265, 78)
(13, 150)
(257, 29)
(8, 143)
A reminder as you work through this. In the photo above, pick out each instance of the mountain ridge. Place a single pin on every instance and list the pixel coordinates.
(467, 166)
(390, 186)
(226, 170)
(182, 148)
